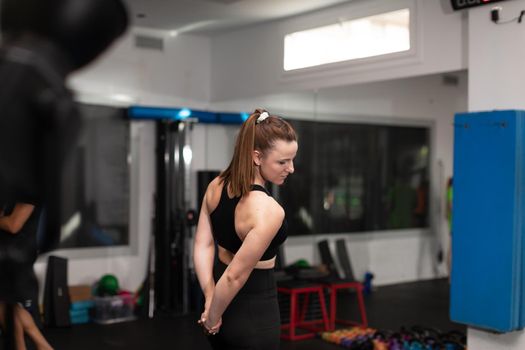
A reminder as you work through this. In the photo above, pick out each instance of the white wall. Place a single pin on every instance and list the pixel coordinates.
(248, 62)
(496, 56)
(480, 340)
(177, 76)
(396, 256)
(392, 256)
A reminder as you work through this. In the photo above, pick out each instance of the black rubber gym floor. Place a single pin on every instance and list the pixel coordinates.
(423, 303)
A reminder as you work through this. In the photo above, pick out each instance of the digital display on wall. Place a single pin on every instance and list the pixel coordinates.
(463, 4)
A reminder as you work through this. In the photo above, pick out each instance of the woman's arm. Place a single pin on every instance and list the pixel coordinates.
(204, 252)
(265, 219)
(13, 223)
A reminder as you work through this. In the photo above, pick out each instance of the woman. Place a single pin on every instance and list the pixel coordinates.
(248, 226)
(18, 232)
(24, 325)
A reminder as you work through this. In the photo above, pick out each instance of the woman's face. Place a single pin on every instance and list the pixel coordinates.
(277, 163)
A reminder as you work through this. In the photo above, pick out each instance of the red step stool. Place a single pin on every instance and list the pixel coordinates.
(298, 312)
(333, 288)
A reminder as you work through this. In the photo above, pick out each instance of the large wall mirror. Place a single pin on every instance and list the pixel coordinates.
(356, 177)
(96, 188)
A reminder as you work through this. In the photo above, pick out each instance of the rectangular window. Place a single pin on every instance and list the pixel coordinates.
(348, 40)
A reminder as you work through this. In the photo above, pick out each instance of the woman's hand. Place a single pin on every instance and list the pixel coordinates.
(208, 327)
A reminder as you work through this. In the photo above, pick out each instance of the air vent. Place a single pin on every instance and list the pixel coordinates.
(450, 80)
(224, 2)
(149, 42)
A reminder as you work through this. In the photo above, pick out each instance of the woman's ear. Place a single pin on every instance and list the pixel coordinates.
(256, 156)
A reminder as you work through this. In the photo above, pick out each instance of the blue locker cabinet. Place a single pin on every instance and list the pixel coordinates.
(488, 230)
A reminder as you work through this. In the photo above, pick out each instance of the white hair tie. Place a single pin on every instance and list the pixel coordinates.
(262, 117)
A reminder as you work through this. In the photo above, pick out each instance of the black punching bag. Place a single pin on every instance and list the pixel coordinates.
(43, 41)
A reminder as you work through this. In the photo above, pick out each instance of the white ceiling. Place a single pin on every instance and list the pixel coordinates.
(210, 16)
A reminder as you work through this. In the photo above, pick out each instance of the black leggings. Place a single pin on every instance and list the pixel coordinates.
(252, 319)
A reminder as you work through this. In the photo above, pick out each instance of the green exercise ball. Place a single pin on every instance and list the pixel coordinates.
(108, 285)
(302, 263)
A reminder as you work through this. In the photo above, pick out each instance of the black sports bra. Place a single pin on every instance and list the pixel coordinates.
(223, 225)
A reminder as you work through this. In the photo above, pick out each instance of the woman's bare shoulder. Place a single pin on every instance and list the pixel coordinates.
(215, 184)
(213, 193)
(260, 202)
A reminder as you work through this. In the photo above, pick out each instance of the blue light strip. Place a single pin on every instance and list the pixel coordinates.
(136, 112)
(231, 118)
(159, 113)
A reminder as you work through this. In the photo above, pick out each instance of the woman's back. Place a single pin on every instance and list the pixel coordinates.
(232, 218)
